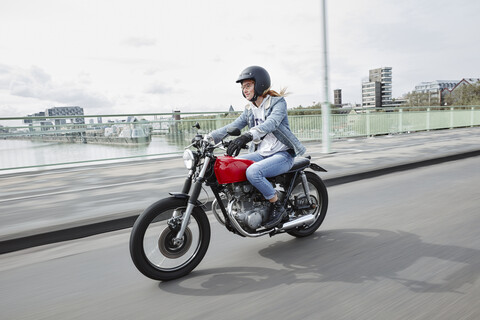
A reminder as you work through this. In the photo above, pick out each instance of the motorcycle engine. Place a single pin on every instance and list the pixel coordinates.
(248, 206)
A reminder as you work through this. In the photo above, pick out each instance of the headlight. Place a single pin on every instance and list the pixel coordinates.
(188, 159)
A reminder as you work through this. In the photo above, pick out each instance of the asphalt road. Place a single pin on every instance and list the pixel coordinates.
(400, 246)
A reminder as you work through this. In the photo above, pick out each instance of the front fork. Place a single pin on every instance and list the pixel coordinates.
(192, 201)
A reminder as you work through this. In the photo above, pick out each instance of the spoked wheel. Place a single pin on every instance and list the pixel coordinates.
(153, 248)
(319, 199)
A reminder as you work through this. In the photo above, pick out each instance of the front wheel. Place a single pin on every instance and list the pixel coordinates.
(319, 198)
(152, 248)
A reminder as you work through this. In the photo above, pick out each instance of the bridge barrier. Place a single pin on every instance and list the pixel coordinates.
(170, 132)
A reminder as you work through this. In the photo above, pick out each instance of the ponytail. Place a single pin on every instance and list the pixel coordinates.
(273, 93)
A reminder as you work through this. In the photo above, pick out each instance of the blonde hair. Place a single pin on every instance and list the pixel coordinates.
(273, 93)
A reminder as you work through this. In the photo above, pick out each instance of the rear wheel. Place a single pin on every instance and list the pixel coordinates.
(319, 199)
(152, 246)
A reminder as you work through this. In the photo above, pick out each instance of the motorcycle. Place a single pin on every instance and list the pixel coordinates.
(171, 237)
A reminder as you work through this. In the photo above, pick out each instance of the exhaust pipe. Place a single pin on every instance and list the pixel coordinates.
(217, 211)
(305, 220)
(302, 221)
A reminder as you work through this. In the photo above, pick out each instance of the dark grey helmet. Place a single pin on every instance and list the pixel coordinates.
(261, 78)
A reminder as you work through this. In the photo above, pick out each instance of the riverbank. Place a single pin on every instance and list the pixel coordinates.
(26, 155)
(122, 141)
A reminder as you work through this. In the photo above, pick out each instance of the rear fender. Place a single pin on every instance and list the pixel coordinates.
(316, 167)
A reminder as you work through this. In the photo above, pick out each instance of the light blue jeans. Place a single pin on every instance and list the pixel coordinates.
(267, 167)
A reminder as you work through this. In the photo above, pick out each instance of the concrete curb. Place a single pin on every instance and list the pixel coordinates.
(127, 222)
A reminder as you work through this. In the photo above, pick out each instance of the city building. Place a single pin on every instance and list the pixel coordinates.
(437, 90)
(377, 91)
(436, 85)
(337, 98)
(64, 113)
(371, 94)
(39, 123)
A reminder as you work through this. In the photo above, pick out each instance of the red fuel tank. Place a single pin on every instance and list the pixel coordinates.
(229, 170)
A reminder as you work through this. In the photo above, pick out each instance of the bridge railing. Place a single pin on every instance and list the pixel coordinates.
(171, 132)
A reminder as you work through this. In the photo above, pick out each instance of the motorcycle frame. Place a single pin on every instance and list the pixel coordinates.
(230, 222)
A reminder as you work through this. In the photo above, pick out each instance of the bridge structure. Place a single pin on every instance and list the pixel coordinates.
(177, 128)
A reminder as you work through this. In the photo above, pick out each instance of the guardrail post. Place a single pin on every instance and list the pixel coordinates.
(428, 119)
(451, 118)
(368, 123)
(472, 115)
(400, 120)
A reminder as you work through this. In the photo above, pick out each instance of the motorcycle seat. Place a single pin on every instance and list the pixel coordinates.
(299, 163)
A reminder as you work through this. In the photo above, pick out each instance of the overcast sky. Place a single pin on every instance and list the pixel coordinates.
(147, 56)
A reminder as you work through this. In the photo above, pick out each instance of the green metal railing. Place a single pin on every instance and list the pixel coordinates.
(175, 129)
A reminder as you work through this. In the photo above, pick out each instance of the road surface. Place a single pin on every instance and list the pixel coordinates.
(400, 246)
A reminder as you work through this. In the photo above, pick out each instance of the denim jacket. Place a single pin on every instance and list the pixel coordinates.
(276, 121)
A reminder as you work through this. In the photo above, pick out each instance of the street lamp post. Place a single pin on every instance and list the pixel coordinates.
(326, 103)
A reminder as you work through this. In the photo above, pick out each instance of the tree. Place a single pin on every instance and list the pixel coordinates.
(423, 99)
(464, 95)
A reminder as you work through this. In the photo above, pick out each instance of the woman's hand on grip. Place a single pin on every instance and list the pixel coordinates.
(236, 145)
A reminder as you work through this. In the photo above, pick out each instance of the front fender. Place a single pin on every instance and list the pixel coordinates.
(180, 195)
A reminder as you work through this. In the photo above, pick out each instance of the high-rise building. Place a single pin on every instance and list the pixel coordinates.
(377, 91)
(337, 97)
(65, 112)
(371, 94)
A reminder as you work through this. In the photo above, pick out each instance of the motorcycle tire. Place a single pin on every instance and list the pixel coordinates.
(151, 246)
(319, 196)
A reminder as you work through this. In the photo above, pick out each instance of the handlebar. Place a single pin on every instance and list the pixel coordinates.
(199, 142)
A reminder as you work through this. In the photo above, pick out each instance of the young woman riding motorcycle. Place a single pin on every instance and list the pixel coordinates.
(274, 145)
